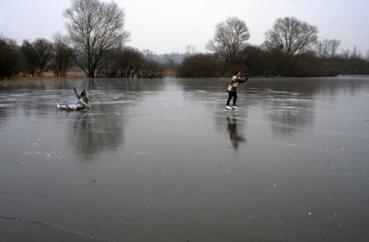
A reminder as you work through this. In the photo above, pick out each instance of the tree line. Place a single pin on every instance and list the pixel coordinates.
(291, 48)
(40, 56)
(95, 45)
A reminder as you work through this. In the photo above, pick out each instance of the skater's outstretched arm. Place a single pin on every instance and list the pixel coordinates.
(242, 80)
(75, 92)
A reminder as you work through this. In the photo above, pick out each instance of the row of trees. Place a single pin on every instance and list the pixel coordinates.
(94, 44)
(96, 38)
(291, 48)
(40, 56)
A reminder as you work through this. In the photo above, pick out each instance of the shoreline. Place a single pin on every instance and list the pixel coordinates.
(74, 77)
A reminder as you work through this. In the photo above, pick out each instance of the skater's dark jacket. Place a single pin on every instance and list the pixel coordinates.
(82, 98)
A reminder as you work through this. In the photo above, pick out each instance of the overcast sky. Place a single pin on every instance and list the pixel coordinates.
(165, 26)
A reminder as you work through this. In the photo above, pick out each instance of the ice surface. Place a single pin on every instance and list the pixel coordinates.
(160, 160)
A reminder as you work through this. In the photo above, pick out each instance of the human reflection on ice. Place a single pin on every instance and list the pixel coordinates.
(94, 131)
(234, 135)
(3, 116)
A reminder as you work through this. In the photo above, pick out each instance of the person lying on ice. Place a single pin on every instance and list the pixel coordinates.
(82, 103)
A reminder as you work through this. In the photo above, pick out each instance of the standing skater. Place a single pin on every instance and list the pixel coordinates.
(232, 89)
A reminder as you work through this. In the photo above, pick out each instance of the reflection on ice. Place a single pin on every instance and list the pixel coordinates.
(234, 131)
(291, 164)
(94, 131)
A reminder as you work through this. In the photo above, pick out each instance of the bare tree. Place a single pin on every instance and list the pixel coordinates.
(44, 52)
(129, 63)
(356, 53)
(94, 28)
(327, 48)
(291, 35)
(190, 49)
(10, 58)
(30, 57)
(202, 65)
(333, 47)
(345, 54)
(122, 62)
(229, 39)
(63, 55)
(37, 55)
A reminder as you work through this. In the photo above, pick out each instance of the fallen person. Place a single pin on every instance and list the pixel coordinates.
(81, 104)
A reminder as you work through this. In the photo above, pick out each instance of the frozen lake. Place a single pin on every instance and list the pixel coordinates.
(160, 160)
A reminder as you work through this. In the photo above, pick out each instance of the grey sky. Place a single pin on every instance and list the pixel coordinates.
(170, 25)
